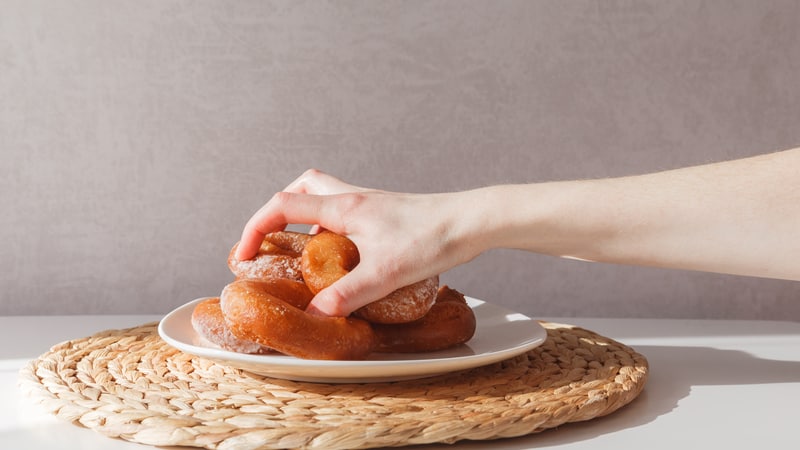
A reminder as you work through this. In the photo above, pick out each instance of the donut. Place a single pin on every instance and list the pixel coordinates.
(402, 305)
(278, 257)
(258, 311)
(449, 322)
(328, 256)
(209, 323)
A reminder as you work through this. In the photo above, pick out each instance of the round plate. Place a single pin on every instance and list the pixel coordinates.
(500, 334)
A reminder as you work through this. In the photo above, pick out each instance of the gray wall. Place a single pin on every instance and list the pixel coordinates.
(137, 137)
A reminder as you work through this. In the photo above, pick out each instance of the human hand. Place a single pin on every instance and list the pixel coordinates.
(401, 238)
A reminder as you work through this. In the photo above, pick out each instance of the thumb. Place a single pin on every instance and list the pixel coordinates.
(348, 293)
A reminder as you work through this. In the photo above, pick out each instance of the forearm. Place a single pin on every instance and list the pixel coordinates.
(740, 217)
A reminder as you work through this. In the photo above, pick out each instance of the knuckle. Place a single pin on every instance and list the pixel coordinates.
(281, 198)
(312, 173)
(310, 177)
(351, 202)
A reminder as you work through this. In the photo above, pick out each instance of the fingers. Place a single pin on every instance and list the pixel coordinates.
(376, 276)
(282, 209)
(349, 293)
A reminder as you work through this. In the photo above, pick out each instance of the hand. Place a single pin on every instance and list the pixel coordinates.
(401, 238)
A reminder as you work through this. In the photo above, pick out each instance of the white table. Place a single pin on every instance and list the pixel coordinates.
(713, 384)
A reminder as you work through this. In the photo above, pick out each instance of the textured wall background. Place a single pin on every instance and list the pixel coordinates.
(137, 137)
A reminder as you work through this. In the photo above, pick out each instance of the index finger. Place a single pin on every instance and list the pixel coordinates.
(282, 209)
(316, 182)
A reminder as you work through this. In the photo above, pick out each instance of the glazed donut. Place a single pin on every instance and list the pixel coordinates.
(278, 257)
(449, 322)
(258, 311)
(209, 323)
(328, 256)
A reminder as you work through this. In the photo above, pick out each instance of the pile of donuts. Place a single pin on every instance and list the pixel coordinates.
(264, 309)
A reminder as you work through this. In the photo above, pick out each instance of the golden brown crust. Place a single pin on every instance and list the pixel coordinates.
(208, 322)
(327, 257)
(254, 311)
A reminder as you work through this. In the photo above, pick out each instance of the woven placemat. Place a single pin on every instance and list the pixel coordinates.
(132, 385)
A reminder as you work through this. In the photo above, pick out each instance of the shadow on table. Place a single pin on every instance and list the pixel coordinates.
(673, 373)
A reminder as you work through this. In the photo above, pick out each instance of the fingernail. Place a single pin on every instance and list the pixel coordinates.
(314, 311)
(240, 254)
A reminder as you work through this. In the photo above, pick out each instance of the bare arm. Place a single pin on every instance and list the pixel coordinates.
(739, 217)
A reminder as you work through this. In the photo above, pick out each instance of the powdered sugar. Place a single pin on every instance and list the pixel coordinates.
(278, 257)
(403, 305)
(267, 267)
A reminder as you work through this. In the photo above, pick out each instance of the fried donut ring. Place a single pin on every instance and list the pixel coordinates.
(403, 305)
(329, 256)
(208, 322)
(258, 311)
(450, 322)
(278, 257)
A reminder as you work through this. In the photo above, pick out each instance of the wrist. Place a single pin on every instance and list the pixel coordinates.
(549, 218)
(499, 216)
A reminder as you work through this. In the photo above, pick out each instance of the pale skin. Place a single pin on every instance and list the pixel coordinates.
(738, 217)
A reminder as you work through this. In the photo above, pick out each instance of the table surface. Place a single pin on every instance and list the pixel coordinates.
(713, 384)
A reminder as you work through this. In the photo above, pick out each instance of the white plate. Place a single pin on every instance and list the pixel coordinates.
(500, 334)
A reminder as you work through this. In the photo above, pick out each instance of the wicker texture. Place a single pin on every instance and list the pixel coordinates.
(130, 384)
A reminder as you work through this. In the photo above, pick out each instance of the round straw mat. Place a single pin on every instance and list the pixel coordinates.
(130, 384)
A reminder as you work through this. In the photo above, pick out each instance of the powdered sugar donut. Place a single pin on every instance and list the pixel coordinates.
(403, 305)
(278, 257)
(449, 322)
